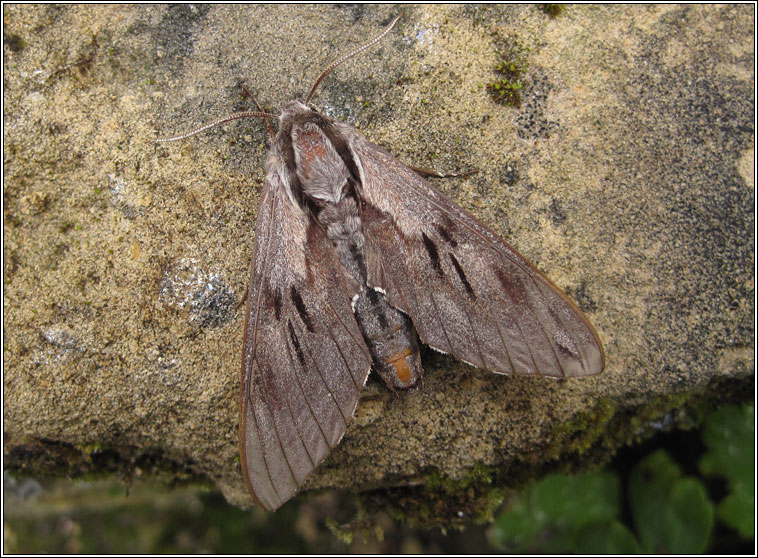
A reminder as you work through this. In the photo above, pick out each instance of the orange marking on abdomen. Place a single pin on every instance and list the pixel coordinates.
(402, 369)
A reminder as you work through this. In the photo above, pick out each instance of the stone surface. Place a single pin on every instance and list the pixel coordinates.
(626, 176)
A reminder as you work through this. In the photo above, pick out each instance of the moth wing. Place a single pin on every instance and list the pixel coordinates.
(467, 292)
(304, 359)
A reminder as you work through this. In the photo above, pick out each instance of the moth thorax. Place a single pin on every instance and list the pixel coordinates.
(320, 169)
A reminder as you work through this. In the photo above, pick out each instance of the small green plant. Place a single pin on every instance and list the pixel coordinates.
(562, 514)
(507, 86)
(670, 512)
(728, 434)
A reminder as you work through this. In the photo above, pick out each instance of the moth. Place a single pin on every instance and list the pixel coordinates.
(357, 258)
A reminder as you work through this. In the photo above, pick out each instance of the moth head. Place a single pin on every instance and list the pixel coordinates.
(291, 111)
(320, 170)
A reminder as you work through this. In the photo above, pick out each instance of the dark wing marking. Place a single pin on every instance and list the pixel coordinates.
(304, 358)
(467, 292)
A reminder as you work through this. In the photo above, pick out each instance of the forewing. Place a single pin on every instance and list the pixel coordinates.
(304, 358)
(467, 292)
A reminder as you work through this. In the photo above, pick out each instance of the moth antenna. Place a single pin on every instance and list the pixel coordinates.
(348, 56)
(269, 127)
(235, 116)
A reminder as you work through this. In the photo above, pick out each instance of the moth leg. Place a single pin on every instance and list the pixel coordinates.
(269, 127)
(437, 174)
(242, 301)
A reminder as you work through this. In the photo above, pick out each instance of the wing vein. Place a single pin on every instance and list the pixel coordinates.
(307, 404)
(499, 329)
(534, 280)
(257, 432)
(451, 349)
(262, 276)
(339, 349)
(547, 338)
(557, 317)
(476, 339)
(328, 389)
(281, 446)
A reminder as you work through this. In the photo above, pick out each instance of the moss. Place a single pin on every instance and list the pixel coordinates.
(593, 437)
(440, 502)
(65, 227)
(552, 10)
(93, 461)
(89, 449)
(507, 87)
(14, 42)
(363, 525)
(46, 458)
(581, 432)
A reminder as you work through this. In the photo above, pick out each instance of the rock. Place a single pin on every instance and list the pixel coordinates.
(626, 176)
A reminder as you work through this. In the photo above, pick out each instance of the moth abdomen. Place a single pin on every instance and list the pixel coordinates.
(391, 339)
